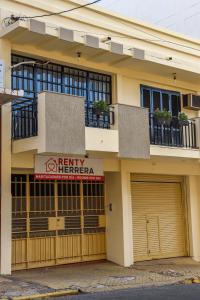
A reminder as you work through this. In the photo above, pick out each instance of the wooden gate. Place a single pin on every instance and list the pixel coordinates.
(56, 222)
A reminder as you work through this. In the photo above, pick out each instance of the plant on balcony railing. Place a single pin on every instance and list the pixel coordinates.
(100, 107)
(163, 117)
(183, 119)
(181, 132)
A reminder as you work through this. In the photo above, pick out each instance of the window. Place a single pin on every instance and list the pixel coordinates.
(52, 77)
(153, 99)
(62, 79)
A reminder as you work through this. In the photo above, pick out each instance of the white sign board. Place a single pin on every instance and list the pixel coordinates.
(68, 168)
(1, 73)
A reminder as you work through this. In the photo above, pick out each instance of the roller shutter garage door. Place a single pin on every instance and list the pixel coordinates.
(159, 229)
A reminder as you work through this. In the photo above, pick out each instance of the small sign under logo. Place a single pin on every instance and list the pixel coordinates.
(68, 168)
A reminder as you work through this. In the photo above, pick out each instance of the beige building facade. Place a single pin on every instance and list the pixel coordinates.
(136, 195)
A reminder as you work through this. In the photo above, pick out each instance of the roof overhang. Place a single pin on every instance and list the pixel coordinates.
(94, 48)
(50, 38)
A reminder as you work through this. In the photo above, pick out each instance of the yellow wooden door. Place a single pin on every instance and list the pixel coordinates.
(158, 217)
(56, 222)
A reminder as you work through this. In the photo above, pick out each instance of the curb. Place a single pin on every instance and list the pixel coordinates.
(196, 281)
(188, 281)
(47, 295)
(191, 280)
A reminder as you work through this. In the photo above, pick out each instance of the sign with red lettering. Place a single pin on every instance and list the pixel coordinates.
(68, 168)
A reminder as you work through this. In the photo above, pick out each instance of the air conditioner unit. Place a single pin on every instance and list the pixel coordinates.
(191, 101)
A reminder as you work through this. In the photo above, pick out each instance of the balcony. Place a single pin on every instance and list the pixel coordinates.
(25, 120)
(174, 134)
(60, 123)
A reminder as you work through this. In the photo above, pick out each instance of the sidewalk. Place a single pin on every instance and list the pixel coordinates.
(98, 276)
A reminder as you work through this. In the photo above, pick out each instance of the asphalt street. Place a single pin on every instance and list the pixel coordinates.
(173, 292)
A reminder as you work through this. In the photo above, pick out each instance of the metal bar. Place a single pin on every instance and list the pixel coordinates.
(173, 135)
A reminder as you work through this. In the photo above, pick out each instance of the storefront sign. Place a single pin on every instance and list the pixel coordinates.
(68, 168)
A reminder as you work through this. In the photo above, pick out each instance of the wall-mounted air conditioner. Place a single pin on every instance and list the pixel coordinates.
(191, 101)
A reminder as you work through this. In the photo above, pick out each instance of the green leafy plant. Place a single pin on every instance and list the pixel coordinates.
(182, 116)
(100, 107)
(163, 116)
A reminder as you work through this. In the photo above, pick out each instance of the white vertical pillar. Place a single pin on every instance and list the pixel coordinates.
(6, 190)
(119, 218)
(127, 217)
(5, 230)
(114, 218)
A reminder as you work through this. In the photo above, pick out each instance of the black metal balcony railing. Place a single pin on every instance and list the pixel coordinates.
(25, 120)
(105, 120)
(173, 134)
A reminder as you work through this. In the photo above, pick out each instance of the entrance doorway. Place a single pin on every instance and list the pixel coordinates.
(159, 217)
(56, 222)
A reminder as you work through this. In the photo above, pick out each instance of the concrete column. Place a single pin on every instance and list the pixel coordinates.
(114, 224)
(119, 218)
(5, 266)
(127, 218)
(5, 231)
(194, 215)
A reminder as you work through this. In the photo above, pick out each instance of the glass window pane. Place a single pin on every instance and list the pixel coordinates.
(156, 100)
(176, 106)
(165, 101)
(146, 98)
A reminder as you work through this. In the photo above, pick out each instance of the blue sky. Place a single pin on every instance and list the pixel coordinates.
(177, 15)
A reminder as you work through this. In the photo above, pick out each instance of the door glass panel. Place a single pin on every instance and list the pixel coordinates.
(146, 98)
(165, 101)
(156, 100)
(176, 107)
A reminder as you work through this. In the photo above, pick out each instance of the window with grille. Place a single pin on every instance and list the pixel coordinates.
(52, 77)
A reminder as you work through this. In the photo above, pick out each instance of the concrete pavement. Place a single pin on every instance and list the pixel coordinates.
(98, 277)
(105, 276)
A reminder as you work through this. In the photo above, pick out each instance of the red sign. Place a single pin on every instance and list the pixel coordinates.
(68, 168)
(67, 177)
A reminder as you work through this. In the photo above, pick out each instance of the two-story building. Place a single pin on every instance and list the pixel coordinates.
(116, 180)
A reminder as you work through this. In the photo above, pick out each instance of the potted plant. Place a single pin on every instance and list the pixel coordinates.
(163, 117)
(99, 107)
(183, 119)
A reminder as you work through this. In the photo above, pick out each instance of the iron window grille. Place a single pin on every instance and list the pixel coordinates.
(52, 77)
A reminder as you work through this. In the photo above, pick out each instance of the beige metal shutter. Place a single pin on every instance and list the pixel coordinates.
(158, 217)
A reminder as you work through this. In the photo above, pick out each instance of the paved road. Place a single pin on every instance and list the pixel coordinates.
(173, 292)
